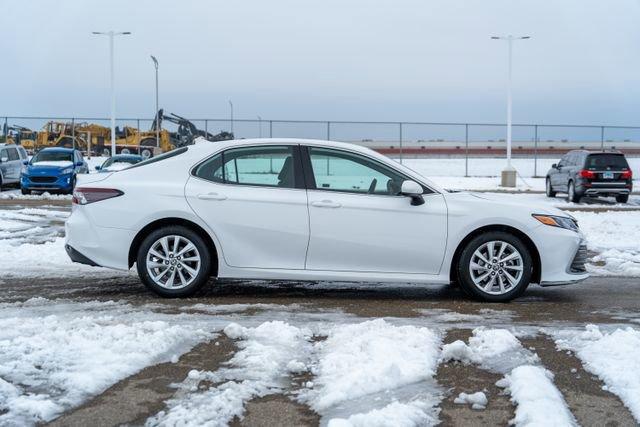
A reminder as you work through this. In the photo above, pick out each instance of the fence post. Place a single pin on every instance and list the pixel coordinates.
(535, 151)
(270, 128)
(466, 150)
(602, 138)
(400, 140)
(5, 130)
(206, 127)
(138, 135)
(73, 133)
(328, 131)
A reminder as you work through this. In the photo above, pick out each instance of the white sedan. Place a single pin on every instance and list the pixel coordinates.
(291, 209)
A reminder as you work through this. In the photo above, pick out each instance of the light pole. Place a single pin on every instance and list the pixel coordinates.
(259, 127)
(111, 35)
(231, 110)
(509, 173)
(155, 63)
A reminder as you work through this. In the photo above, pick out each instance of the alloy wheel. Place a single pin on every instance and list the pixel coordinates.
(496, 267)
(173, 262)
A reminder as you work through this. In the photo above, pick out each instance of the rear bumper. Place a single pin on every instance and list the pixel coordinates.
(600, 188)
(78, 257)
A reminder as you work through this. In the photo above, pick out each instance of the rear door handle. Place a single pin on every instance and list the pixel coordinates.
(212, 196)
(326, 204)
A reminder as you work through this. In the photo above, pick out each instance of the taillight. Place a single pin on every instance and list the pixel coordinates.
(84, 195)
(627, 174)
(587, 174)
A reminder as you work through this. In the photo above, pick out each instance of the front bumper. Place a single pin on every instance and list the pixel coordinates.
(562, 255)
(47, 182)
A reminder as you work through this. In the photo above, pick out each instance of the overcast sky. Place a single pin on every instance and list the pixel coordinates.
(419, 60)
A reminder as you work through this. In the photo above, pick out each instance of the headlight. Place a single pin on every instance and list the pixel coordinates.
(558, 221)
(67, 171)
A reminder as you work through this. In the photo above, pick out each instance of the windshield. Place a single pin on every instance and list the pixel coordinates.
(606, 161)
(52, 156)
(125, 161)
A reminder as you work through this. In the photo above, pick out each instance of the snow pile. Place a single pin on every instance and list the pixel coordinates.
(539, 402)
(16, 195)
(496, 350)
(614, 235)
(477, 400)
(55, 356)
(612, 356)
(413, 413)
(268, 354)
(357, 361)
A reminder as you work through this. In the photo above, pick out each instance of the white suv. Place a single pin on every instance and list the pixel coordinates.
(312, 210)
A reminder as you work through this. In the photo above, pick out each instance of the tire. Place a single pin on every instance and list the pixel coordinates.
(194, 273)
(25, 191)
(489, 288)
(106, 152)
(0, 184)
(572, 196)
(549, 188)
(622, 198)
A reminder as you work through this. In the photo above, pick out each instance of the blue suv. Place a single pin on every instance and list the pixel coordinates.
(52, 169)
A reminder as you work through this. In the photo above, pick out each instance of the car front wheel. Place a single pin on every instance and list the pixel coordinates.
(549, 188)
(494, 267)
(173, 261)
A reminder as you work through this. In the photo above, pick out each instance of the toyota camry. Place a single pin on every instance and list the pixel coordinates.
(290, 209)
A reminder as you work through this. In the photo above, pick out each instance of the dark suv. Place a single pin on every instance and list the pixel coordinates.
(590, 173)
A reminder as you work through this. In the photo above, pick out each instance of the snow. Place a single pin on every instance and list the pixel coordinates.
(48, 259)
(539, 402)
(612, 356)
(615, 237)
(16, 195)
(260, 367)
(359, 360)
(56, 163)
(414, 413)
(477, 400)
(53, 356)
(496, 350)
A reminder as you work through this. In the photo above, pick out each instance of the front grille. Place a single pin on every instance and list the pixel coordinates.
(578, 265)
(43, 179)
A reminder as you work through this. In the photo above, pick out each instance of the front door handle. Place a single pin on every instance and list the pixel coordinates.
(326, 204)
(212, 196)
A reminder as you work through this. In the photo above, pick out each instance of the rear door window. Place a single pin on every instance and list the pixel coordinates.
(606, 161)
(13, 154)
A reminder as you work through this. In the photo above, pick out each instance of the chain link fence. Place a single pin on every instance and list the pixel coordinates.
(400, 140)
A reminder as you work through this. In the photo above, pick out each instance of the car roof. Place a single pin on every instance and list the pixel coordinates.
(589, 152)
(59, 149)
(127, 156)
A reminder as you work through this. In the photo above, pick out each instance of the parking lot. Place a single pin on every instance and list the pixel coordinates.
(82, 346)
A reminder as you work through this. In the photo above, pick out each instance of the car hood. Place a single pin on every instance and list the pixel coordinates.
(503, 202)
(48, 167)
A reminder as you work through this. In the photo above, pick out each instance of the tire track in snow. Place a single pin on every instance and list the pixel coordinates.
(499, 351)
(587, 400)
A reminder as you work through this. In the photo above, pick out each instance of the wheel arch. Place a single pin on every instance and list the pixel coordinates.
(533, 250)
(163, 222)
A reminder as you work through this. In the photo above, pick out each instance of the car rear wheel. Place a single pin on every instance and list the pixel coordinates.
(173, 261)
(571, 194)
(549, 189)
(622, 198)
(494, 267)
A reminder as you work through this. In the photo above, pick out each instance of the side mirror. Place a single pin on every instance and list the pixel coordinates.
(414, 190)
(25, 162)
(79, 163)
(4, 159)
(554, 166)
(98, 168)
